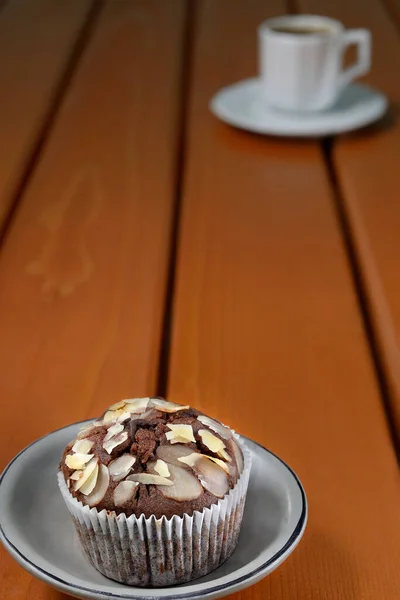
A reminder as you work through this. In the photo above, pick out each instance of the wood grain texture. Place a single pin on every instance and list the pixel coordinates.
(267, 333)
(37, 40)
(83, 271)
(367, 165)
(84, 267)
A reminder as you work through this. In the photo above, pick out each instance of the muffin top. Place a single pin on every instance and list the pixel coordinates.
(152, 457)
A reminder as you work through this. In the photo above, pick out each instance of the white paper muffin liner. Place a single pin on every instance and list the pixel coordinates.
(160, 552)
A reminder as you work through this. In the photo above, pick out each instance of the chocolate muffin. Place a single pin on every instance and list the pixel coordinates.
(156, 491)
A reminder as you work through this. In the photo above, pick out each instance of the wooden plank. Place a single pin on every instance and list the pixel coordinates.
(83, 270)
(267, 334)
(37, 40)
(367, 165)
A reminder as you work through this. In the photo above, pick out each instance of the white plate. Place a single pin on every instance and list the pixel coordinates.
(242, 105)
(37, 530)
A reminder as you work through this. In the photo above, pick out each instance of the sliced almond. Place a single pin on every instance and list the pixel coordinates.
(149, 479)
(109, 417)
(124, 492)
(120, 467)
(87, 428)
(123, 417)
(171, 454)
(210, 440)
(112, 431)
(223, 431)
(180, 433)
(136, 405)
(90, 467)
(117, 405)
(223, 454)
(168, 407)
(193, 458)
(88, 487)
(185, 486)
(76, 475)
(212, 477)
(112, 415)
(145, 415)
(237, 453)
(115, 441)
(150, 467)
(101, 487)
(176, 440)
(214, 444)
(222, 464)
(77, 461)
(161, 468)
(82, 446)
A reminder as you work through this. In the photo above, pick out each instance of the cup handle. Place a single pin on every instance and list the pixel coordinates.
(362, 39)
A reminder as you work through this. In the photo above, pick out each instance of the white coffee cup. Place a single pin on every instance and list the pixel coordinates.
(301, 60)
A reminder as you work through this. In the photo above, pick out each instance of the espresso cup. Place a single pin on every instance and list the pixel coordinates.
(301, 60)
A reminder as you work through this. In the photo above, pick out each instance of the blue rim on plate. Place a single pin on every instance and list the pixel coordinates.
(34, 569)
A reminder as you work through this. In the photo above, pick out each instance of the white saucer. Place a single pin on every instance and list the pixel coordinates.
(242, 105)
(37, 530)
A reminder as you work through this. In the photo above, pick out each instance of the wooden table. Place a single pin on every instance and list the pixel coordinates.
(147, 248)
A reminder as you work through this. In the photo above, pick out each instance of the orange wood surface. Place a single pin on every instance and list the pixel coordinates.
(267, 333)
(84, 267)
(37, 40)
(368, 166)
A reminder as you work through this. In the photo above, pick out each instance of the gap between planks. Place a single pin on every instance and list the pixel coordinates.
(186, 78)
(344, 225)
(72, 63)
(359, 286)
